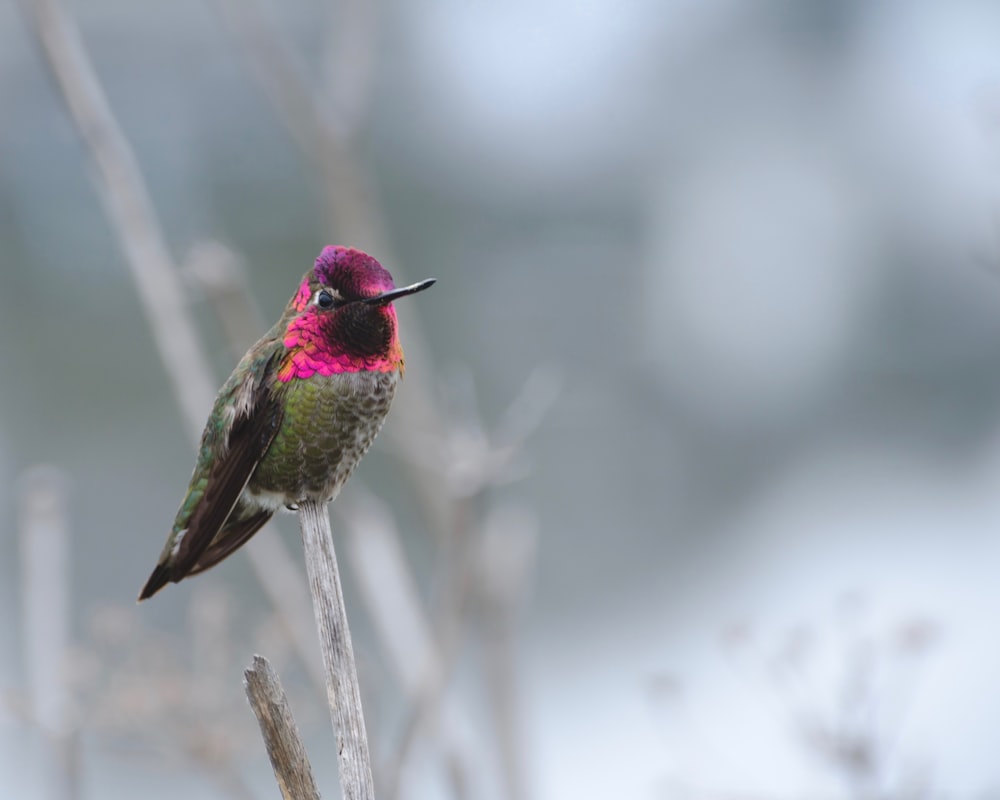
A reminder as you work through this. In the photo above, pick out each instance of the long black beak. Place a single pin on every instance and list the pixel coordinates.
(387, 297)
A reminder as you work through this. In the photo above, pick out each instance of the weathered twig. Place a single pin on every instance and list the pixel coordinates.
(342, 688)
(281, 735)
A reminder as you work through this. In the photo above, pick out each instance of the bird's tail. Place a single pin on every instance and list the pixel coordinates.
(161, 577)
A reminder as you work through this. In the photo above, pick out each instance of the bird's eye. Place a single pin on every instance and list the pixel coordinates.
(325, 299)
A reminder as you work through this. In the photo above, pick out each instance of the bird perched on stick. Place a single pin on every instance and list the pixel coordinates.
(296, 415)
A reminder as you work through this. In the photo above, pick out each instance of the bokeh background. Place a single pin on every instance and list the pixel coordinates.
(710, 380)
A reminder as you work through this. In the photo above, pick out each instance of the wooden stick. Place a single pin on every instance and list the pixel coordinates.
(342, 688)
(281, 735)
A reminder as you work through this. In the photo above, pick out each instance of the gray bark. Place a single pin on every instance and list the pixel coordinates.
(281, 735)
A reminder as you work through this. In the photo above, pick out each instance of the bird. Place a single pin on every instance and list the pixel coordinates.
(296, 415)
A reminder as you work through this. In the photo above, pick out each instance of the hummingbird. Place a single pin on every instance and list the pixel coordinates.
(296, 415)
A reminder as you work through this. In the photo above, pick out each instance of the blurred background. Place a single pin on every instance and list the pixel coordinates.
(692, 487)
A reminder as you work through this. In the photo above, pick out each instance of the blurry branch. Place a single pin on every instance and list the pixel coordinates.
(310, 122)
(843, 695)
(207, 739)
(126, 199)
(390, 594)
(45, 575)
(281, 735)
(209, 620)
(129, 207)
(857, 737)
(469, 458)
(343, 693)
(428, 696)
(45, 591)
(349, 63)
(166, 694)
(505, 562)
(470, 461)
(214, 271)
(388, 587)
(282, 581)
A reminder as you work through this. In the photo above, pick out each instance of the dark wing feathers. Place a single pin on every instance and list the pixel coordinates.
(235, 535)
(159, 579)
(249, 437)
(248, 441)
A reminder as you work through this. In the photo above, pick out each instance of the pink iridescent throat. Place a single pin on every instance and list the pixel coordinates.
(310, 351)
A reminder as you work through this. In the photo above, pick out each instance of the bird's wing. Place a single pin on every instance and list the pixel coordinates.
(256, 414)
(249, 438)
(233, 536)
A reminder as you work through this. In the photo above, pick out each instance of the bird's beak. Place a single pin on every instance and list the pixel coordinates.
(387, 297)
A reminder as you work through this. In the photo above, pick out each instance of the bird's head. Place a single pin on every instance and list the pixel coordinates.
(342, 318)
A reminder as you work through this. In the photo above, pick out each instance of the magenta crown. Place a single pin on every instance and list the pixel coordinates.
(352, 271)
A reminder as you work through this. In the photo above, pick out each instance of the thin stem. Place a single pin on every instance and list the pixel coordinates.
(342, 688)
